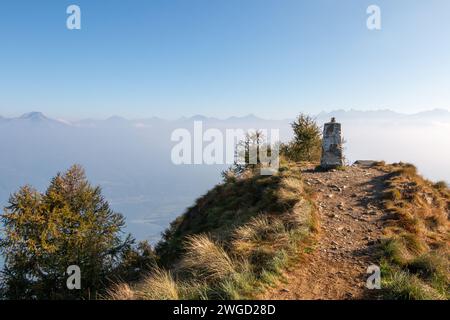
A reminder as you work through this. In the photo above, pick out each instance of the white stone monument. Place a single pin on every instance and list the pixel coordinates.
(332, 145)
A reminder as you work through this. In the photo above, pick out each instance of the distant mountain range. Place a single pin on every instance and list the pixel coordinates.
(439, 115)
(435, 114)
(33, 118)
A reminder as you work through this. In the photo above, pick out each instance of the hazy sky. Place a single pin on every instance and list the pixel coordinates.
(172, 58)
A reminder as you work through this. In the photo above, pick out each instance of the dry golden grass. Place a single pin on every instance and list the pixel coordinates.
(404, 247)
(261, 223)
(302, 217)
(417, 235)
(120, 291)
(207, 259)
(419, 206)
(159, 285)
(261, 231)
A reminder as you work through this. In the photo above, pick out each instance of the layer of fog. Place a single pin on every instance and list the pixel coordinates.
(131, 161)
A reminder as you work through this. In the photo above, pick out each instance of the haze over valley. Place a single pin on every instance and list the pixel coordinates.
(131, 159)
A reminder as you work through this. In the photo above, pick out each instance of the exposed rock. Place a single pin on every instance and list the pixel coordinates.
(332, 215)
(365, 163)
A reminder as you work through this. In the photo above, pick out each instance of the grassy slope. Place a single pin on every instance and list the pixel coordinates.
(415, 252)
(233, 242)
(239, 237)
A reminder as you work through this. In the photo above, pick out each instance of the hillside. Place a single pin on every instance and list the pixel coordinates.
(306, 234)
(234, 242)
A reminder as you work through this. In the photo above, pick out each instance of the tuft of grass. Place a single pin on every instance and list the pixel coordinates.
(158, 285)
(405, 169)
(394, 251)
(402, 248)
(207, 259)
(433, 267)
(237, 287)
(441, 185)
(403, 286)
(393, 195)
(260, 232)
(120, 291)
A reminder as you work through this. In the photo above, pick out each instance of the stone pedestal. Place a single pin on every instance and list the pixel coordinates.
(332, 146)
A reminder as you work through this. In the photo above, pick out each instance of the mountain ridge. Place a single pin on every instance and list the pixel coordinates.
(437, 113)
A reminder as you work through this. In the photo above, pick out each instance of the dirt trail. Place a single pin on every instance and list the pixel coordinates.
(351, 225)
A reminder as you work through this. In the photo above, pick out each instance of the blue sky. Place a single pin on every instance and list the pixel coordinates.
(173, 58)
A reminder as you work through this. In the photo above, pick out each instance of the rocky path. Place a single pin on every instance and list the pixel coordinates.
(351, 225)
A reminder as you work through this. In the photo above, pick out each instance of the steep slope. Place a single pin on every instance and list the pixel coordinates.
(234, 242)
(416, 247)
(235, 203)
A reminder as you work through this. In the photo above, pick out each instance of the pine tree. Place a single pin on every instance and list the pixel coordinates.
(307, 143)
(43, 234)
